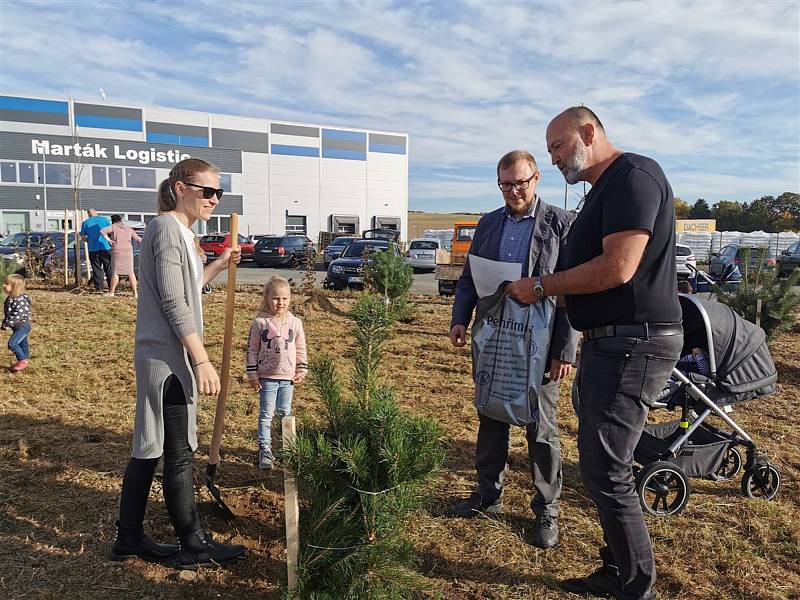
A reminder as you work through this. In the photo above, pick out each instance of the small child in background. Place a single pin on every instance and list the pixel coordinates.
(275, 361)
(17, 317)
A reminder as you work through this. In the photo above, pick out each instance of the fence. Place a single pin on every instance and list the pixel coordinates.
(703, 244)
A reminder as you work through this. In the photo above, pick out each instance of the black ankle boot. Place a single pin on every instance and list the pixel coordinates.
(131, 543)
(200, 550)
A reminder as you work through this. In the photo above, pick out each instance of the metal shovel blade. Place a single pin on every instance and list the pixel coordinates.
(211, 471)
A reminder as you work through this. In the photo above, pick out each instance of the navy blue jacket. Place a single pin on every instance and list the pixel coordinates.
(547, 252)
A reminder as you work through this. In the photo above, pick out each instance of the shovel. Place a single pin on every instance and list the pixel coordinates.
(225, 376)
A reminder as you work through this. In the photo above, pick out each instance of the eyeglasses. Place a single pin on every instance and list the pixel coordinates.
(522, 185)
(207, 191)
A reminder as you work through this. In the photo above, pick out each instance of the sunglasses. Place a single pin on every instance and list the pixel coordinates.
(207, 191)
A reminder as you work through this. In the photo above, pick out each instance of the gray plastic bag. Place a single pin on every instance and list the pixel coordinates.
(510, 349)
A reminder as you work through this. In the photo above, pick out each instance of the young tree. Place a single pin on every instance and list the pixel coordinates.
(779, 302)
(78, 168)
(362, 470)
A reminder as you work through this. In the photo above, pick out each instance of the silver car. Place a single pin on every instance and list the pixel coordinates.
(684, 256)
(421, 254)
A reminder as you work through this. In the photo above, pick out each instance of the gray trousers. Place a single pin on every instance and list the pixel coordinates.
(618, 380)
(544, 455)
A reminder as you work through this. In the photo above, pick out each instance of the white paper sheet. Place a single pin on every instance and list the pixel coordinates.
(488, 274)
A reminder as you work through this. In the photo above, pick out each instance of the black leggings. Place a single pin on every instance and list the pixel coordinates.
(178, 487)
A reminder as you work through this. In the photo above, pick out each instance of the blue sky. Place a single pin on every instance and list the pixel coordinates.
(709, 89)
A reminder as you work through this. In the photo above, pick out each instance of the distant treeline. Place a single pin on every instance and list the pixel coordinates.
(767, 213)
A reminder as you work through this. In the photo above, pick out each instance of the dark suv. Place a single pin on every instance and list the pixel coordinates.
(733, 255)
(348, 269)
(789, 259)
(283, 251)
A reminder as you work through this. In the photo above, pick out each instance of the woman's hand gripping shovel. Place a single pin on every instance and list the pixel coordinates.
(225, 376)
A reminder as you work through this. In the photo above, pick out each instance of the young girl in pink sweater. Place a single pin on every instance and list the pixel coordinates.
(276, 360)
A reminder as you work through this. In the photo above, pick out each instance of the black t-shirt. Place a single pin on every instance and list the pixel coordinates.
(632, 193)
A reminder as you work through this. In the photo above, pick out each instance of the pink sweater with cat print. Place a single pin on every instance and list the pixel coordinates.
(276, 351)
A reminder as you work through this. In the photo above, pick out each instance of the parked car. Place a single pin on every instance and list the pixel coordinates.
(348, 270)
(282, 251)
(789, 260)
(44, 246)
(334, 250)
(684, 260)
(733, 254)
(214, 244)
(14, 246)
(381, 233)
(421, 254)
(58, 253)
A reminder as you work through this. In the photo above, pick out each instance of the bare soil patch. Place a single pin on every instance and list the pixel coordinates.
(65, 427)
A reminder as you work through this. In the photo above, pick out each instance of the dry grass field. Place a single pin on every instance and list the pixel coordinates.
(65, 428)
(418, 222)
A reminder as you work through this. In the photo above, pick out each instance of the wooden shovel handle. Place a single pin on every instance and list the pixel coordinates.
(225, 375)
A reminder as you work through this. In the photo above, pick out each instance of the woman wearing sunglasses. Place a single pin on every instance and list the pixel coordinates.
(172, 369)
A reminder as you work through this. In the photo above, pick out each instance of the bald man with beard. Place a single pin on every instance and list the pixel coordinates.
(620, 288)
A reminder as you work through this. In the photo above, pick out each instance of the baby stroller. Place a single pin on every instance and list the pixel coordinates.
(741, 369)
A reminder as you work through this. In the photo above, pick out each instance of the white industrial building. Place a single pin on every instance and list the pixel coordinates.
(281, 177)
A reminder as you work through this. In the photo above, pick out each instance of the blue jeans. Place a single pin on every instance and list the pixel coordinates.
(276, 394)
(18, 342)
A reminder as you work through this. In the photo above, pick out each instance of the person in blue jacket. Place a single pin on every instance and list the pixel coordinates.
(99, 248)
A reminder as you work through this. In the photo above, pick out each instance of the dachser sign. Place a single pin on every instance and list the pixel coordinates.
(115, 151)
(695, 225)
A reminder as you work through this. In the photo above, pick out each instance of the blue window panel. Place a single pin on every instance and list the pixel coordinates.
(338, 134)
(108, 123)
(51, 106)
(189, 140)
(173, 138)
(295, 150)
(163, 138)
(386, 148)
(345, 154)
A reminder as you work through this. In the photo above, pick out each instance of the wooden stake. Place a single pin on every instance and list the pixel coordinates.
(230, 303)
(759, 304)
(66, 245)
(78, 249)
(292, 506)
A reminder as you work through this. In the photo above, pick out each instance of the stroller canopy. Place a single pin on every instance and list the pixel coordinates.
(744, 367)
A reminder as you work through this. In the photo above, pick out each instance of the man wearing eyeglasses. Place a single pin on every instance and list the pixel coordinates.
(525, 230)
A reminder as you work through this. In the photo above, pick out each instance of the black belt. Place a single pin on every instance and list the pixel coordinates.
(634, 330)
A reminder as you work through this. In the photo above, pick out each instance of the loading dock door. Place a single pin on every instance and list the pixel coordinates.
(347, 224)
(386, 223)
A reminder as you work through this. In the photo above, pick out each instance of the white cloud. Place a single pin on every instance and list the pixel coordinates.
(706, 88)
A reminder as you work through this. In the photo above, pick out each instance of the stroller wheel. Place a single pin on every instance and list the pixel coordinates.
(730, 466)
(663, 488)
(761, 481)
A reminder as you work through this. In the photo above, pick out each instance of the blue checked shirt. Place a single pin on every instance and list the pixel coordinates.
(515, 240)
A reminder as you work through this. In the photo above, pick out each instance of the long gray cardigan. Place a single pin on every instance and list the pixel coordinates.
(169, 309)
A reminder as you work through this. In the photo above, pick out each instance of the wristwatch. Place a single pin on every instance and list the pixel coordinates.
(538, 289)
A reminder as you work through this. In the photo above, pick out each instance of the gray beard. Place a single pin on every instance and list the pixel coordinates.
(576, 165)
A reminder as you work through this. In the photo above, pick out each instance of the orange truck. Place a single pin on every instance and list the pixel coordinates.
(449, 265)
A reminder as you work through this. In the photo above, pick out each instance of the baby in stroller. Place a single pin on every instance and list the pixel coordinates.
(694, 362)
(726, 361)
